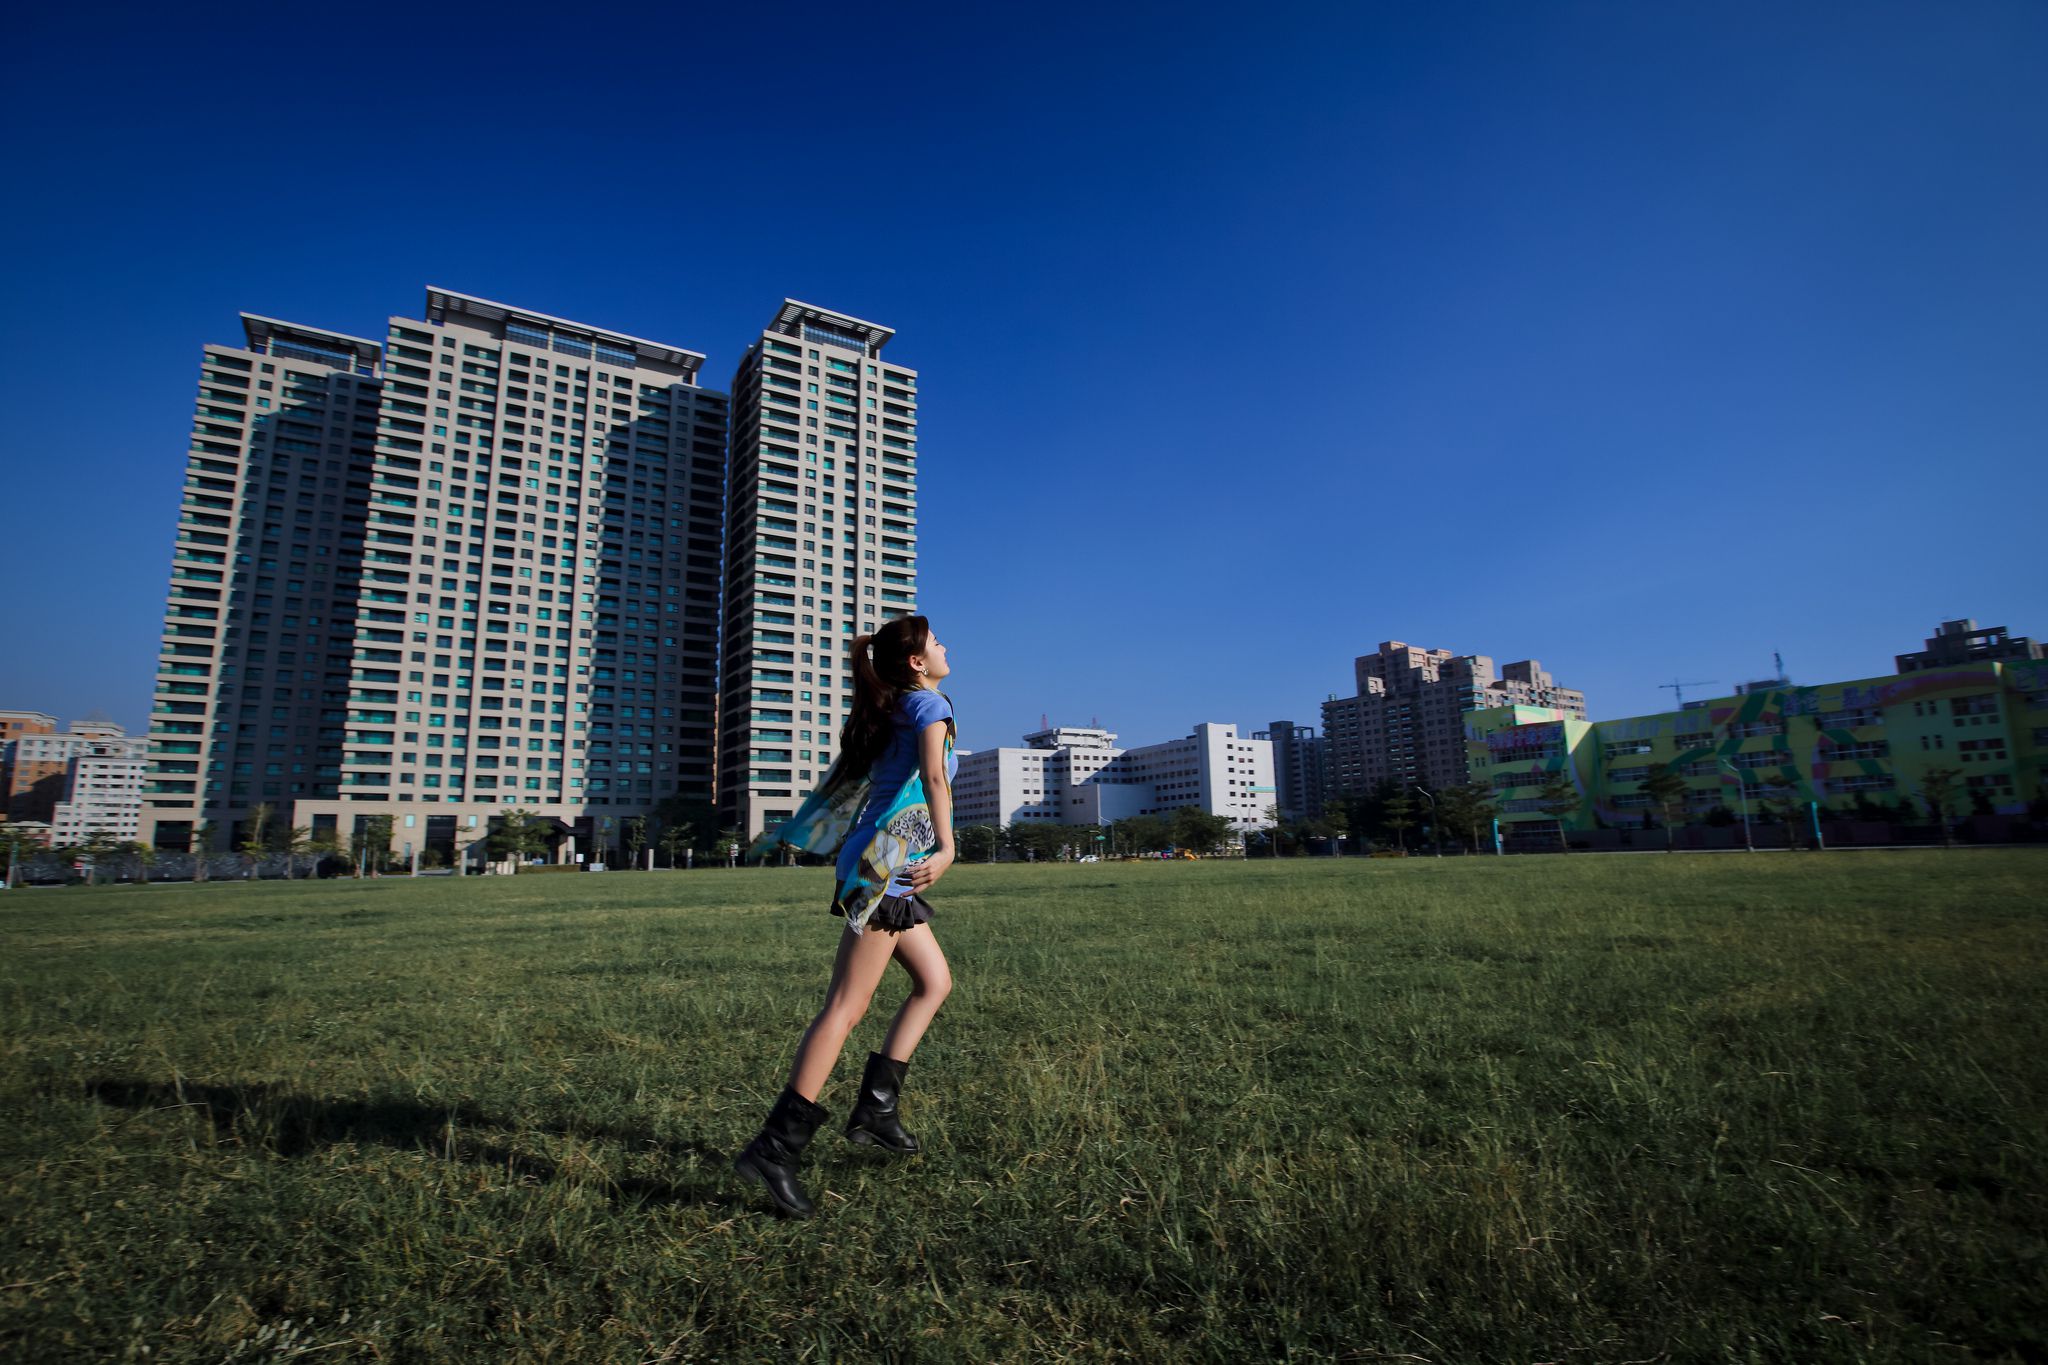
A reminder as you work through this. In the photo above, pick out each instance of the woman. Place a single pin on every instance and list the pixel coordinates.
(895, 769)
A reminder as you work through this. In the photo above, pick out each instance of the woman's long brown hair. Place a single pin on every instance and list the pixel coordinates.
(878, 684)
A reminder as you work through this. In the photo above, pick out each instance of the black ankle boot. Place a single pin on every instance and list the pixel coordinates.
(873, 1121)
(772, 1156)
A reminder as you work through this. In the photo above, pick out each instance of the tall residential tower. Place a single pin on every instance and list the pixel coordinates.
(821, 545)
(1406, 724)
(483, 578)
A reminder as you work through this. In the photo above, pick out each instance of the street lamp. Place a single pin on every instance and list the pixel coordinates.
(1742, 788)
(1436, 833)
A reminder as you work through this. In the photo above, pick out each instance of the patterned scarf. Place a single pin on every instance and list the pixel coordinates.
(903, 831)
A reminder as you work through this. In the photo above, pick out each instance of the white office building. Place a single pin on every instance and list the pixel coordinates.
(1077, 776)
(102, 785)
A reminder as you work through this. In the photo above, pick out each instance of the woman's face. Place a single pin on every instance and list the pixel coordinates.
(934, 660)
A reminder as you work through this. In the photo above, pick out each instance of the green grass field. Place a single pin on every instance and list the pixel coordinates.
(1780, 1108)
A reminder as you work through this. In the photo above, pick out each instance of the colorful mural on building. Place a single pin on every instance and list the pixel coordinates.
(1837, 747)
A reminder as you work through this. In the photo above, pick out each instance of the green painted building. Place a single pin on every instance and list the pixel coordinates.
(1847, 747)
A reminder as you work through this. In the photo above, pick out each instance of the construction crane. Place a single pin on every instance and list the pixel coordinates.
(1678, 687)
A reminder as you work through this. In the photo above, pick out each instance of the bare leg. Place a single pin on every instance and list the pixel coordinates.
(918, 950)
(855, 973)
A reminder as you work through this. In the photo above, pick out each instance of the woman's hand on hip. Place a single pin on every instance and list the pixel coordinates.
(926, 871)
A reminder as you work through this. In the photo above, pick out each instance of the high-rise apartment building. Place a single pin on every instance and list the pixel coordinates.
(471, 568)
(253, 676)
(1406, 724)
(821, 546)
(1297, 768)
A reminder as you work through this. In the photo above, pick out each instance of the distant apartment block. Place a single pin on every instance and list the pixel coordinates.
(1962, 642)
(470, 566)
(15, 725)
(102, 792)
(83, 782)
(1406, 722)
(821, 546)
(1077, 776)
(38, 762)
(1298, 757)
(1832, 744)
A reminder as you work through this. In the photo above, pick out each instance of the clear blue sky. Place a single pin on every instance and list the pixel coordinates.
(1642, 339)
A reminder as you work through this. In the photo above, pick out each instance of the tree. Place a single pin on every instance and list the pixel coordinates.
(255, 843)
(99, 847)
(1558, 798)
(1666, 788)
(1781, 803)
(371, 844)
(636, 839)
(1466, 808)
(323, 845)
(1337, 820)
(23, 841)
(977, 843)
(298, 841)
(699, 818)
(1143, 833)
(1274, 825)
(1397, 813)
(1938, 790)
(673, 840)
(1035, 842)
(1199, 830)
(143, 856)
(1366, 811)
(203, 835)
(516, 836)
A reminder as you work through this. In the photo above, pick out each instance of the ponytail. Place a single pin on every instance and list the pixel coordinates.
(879, 681)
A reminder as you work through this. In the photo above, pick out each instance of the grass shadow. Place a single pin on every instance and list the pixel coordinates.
(291, 1123)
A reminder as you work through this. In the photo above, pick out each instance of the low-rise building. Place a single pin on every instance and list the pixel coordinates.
(1077, 776)
(1838, 747)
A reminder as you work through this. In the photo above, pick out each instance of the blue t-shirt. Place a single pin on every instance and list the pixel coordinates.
(913, 711)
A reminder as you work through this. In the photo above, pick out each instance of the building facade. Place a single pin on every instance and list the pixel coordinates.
(102, 790)
(1077, 776)
(1962, 642)
(1297, 768)
(821, 546)
(1837, 746)
(471, 567)
(83, 782)
(16, 725)
(1406, 722)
